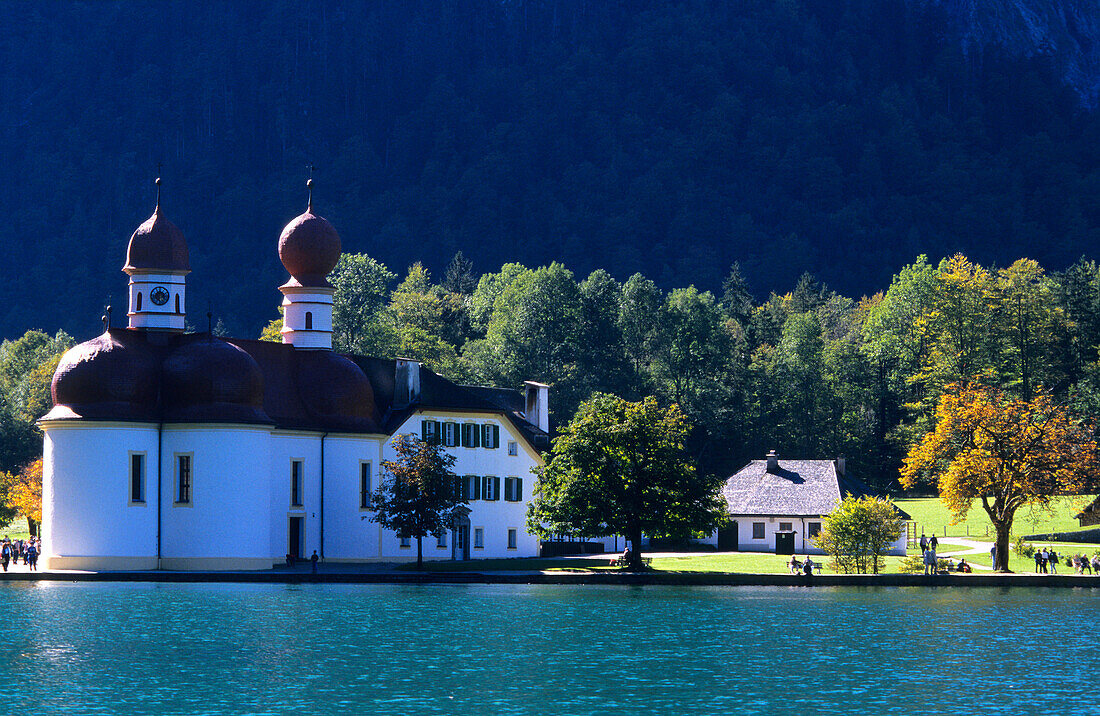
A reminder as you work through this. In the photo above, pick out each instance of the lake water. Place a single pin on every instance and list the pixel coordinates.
(502, 649)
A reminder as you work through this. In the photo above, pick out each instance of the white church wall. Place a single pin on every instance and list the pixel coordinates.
(349, 533)
(88, 518)
(225, 522)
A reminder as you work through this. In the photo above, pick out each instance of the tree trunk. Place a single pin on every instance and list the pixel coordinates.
(420, 553)
(1002, 529)
(32, 526)
(635, 537)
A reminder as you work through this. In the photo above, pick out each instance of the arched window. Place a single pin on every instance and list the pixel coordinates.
(177, 303)
(309, 320)
(138, 308)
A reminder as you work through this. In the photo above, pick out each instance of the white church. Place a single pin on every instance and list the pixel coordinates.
(187, 451)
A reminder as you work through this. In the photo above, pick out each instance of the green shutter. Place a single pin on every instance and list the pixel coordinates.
(496, 488)
(424, 430)
(519, 489)
(466, 435)
(496, 436)
(438, 432)
(476, 488)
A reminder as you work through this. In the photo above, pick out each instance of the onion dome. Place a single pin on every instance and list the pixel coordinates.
(111, 377)
(207, 379)
(309, 248)
(335, 392)
(157, 245)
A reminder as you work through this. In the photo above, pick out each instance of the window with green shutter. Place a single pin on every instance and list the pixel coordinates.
(429, 431)
(490, 436)
(471, 435)
(473, 487)
(450, 434)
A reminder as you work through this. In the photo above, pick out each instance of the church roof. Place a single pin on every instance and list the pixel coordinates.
(301, 389)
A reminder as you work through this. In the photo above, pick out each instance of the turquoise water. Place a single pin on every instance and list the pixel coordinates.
(502, 649)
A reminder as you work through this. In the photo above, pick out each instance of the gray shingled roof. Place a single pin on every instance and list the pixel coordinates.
(798, 487)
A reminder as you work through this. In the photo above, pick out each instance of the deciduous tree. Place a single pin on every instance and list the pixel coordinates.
(1005, 451)
(416, 496)
(620, 468)
(859, 532)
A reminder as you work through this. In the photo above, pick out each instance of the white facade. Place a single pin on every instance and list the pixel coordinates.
(758, 533)
(307, 317)
(245, 501)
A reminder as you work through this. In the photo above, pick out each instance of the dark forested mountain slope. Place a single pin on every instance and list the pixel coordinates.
(670, 138)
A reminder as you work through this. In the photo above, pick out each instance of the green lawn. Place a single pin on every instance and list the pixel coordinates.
(17, 529)
(932, 516)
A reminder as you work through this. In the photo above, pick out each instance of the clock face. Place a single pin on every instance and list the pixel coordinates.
(159, 295)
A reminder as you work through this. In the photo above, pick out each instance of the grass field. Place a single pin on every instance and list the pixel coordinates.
(16, 529)
(932, 516)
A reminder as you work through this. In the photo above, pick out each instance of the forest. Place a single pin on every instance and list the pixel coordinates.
(668, 139)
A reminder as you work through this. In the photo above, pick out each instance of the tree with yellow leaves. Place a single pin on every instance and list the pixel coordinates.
(25, 494)
(1009, 452)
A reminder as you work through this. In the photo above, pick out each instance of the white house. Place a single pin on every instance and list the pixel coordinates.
(778, 506)
(189, 451)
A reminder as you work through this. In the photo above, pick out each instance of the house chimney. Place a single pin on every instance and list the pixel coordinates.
(840, 468)
(537, 405)
(773, 462)
(406, 383)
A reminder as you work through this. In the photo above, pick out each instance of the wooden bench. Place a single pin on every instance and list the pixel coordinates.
(620, 562)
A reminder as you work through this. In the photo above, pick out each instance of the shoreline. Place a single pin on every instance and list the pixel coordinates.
(699, 579)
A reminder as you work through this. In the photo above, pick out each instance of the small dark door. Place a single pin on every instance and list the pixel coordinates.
(784, 542)
(294, 541)
(727, 538)
(462, 542)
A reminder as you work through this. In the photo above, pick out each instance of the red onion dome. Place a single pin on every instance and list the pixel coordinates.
(309, 248)
(336, 393)
(114, 376)
(157, 245)
(209, 380)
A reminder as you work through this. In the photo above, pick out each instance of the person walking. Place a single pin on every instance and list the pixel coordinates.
(933, 543)
(1038, 562)
(923, 544)
(1052, 561)
(5, 554)
(313, 561)
(32, 556)
(993, 556)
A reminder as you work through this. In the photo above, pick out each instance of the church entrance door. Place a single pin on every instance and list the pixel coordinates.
(294, 539)
(461, 541)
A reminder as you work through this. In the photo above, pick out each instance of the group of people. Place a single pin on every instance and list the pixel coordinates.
(928, 552)
(1081, 563)
(797, 567)
(26, 550)
(1046, 561)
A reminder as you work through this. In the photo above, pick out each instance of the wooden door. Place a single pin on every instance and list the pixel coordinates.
(294, 538)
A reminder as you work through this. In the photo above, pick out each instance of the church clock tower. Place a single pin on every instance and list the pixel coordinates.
(157, 262)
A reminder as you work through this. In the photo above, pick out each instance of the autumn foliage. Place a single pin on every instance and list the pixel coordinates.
(1008, 452)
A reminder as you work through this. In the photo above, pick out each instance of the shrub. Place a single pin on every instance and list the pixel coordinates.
(1024, 549)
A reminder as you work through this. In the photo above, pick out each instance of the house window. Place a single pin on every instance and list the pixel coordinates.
(511, 539)
(404, 542)
(178, 304)
(429, 431)
(490, 436)
(479, 538)
(364, 485)
(758, 530)
(450, 434)
(137, 477)
(471, 435)
(183, 479)
(513, 448)
(295, 483)
(441, 540)
(815, 529)
(138, 307)
(784, 526)
(490, 488)
(473, 487)
(513, 489)
(309, 320)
